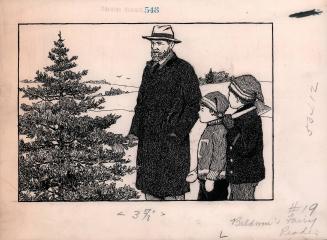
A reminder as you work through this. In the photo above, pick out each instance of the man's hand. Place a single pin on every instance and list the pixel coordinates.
(132, 140)
(209, 185)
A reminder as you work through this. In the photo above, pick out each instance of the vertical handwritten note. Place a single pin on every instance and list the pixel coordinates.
(311, 103)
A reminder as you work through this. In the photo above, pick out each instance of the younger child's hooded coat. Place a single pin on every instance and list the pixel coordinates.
(212, 145)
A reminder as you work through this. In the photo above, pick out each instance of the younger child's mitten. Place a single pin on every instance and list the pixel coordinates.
(209, 185)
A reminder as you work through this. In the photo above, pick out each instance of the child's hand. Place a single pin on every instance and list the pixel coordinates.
(209, 185)
(191, 177)
(222, 175)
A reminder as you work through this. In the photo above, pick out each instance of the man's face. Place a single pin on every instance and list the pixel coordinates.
(160, 49)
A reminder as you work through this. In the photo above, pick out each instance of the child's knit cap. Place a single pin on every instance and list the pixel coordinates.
(216, 101)
(248, 88)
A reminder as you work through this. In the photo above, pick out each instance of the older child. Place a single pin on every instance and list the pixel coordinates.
(245, 163)
(212, 149)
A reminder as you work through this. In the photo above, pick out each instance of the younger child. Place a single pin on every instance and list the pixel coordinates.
(212, 149)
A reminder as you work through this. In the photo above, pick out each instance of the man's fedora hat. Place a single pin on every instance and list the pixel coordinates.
(163, 32)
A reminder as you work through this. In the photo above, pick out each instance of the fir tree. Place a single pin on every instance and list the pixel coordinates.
(64, 154)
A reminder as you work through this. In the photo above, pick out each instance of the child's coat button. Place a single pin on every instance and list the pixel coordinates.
(231, 160)
(231, 172)
(230, 148)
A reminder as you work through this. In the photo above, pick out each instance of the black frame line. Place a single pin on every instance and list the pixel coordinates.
(139, 23)
(134, 23)
(18, 113)
(273, 110)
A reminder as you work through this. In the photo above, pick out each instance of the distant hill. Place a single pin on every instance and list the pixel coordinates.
(27, 81)
(103, 81)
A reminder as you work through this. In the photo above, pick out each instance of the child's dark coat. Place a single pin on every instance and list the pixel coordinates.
(245, 163)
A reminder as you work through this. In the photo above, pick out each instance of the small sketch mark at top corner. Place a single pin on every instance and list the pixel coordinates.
(306, 13)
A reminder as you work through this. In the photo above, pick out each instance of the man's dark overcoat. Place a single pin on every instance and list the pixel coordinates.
(168, 102)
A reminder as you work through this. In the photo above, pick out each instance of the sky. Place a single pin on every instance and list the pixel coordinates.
(118, 49)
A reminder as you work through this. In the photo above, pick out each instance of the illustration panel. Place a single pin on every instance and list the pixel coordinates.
(146, 112)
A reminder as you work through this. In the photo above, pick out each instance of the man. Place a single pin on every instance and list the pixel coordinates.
(166, 110)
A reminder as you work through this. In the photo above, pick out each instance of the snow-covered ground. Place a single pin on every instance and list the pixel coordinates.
(123, 105)
(107, 87)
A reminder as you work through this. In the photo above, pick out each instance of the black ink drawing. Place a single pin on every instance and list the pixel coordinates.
(167, 109)
(193, 129)
(64, 156)
(230, 151)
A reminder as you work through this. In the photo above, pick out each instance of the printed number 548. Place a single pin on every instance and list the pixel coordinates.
(151, 10)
